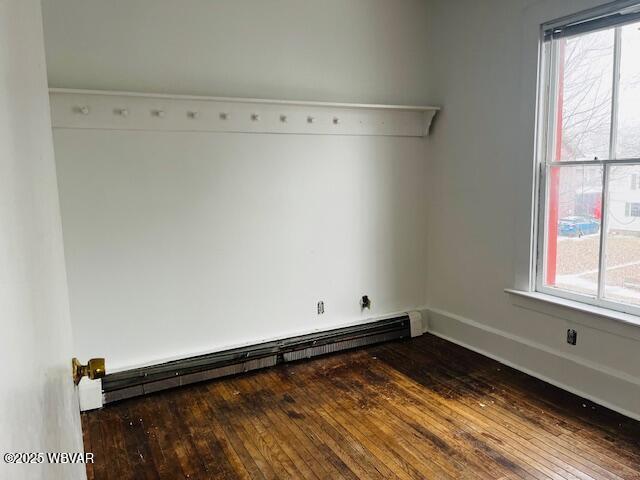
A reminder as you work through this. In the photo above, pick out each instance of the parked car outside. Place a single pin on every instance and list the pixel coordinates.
(576, 226)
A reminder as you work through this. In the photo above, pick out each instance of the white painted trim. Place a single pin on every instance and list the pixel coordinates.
(607, 313)
(90, 394)
(244, 100)
(539, 346)
(221, 348)
(91, 109)
(516, 344)
(417, 328)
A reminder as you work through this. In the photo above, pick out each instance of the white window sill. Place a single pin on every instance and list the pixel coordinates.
(578, 306)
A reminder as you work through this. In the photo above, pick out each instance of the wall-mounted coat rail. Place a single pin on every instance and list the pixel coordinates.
(138, 111)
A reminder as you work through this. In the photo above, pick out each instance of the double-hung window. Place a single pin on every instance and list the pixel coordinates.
(588, 245)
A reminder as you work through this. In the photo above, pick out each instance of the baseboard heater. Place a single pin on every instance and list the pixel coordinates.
(141, 381)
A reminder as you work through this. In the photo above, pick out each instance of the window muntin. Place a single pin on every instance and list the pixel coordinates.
(589, 234)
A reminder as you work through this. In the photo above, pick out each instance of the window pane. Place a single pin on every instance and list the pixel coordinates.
(629, 94)
(574, 205)
(585, 87)
(622, 265)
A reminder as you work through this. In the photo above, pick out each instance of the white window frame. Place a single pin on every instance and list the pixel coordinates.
(547, 118)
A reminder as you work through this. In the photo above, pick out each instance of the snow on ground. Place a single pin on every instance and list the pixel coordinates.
(577, 266)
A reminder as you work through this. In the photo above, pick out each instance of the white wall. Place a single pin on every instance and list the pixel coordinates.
(38, 405)
(480, 197)
(477, 59)
(369, 51)
(179, 243)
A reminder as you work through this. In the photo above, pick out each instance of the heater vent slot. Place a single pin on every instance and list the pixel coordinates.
(141, 381)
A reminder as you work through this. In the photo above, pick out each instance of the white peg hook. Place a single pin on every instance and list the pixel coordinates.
(336, 120)
(255, 117)
(193, 114)
(159, 113)
(311, 119)
(123, 112)
(84, 110)
(224, 116)
(283, 118)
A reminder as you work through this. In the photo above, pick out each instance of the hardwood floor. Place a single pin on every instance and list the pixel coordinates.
(423, 408)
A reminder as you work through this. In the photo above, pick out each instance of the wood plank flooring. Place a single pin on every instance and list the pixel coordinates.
(418, 409)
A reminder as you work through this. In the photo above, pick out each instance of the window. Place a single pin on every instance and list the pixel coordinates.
(588, 246)
(632, 210)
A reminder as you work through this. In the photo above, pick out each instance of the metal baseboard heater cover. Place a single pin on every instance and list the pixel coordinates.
(141, 381)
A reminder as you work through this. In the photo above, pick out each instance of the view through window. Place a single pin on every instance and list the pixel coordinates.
(590, 206)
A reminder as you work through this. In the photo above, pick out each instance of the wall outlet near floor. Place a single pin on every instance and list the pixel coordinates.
(320, 307)
(572, 337)
(365, 302)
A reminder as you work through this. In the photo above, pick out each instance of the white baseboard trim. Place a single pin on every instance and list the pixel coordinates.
(150, 361)
(417, 326)
(90, 394)
(614, 390)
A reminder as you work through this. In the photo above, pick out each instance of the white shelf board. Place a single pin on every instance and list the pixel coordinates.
(95, 109)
